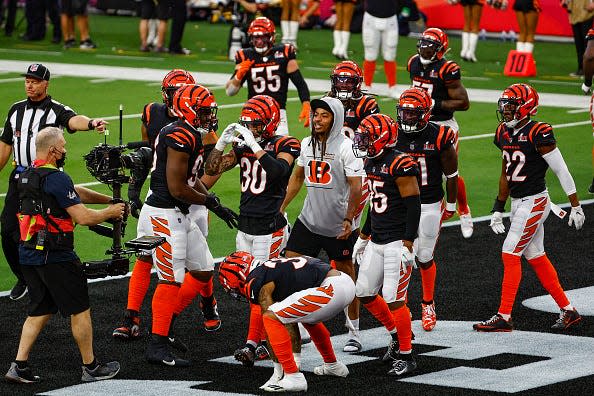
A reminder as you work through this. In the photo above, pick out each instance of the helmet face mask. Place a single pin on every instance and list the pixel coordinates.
(206, 118)
(361, 143)
(346, 79)
(428, 50)
(414, 110)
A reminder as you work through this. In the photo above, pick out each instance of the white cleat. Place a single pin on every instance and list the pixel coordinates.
(353, 345)
(272, 382)
(337, 369)
(289, 383)
(466, 225)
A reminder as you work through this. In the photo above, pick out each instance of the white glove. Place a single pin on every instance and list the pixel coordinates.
(227, 137)
(408, 257)
(497, 223)
(586, 89)
(248, 138)
(577, 217)
(359, 249)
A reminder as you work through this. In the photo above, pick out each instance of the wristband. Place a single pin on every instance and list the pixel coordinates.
(498, 206)
(452, 175)
(349, 220)
(90, 125)
(451, 206)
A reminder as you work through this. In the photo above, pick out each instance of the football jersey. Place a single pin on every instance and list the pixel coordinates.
(388, 213)
(154, 117)
(433, 78)
(289, 275)
(180, 137)
(381, 8)
(426, 147)
(354, 112)
(261, 197)
(268, 75)
(525, 168)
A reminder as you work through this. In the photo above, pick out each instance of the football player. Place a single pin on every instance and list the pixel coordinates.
(386, 259)
(432, 146)
(155, 117)
(380, 26)
(174, 187)
(267, 69)
(266, 160)
(528, 149)
(441, 79)
(588, 67)
(302, 290)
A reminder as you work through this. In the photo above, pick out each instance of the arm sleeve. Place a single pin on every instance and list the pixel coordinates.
(64, 115)
(413, 216)
(300, 84)
(274, 167)
(558, 165)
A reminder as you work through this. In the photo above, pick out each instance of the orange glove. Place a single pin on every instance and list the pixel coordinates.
(244, 67)
(304, 115)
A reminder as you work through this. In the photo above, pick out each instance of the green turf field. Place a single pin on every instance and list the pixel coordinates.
(117, 38)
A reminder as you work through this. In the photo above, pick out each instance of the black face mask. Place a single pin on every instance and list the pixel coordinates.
(60, 162)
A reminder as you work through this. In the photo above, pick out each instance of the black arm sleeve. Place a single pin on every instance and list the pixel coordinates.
(300, 84)
(274, 167)
(413, 216)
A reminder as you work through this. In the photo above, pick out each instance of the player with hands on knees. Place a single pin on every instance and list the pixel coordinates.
(528, 149)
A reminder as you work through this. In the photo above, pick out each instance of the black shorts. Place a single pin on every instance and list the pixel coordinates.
(527, 5)
(74, 7)
(56, 287)
(303, 241)
(150, 10)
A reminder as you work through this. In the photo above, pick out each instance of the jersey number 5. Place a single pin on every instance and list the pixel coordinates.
(264, 77)
(426, 86)
(379, 200)
(518, 159)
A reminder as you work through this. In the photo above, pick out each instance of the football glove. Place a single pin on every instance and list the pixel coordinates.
(586, 89)
(227, 137)
(577, 217)
(248, 138)
(359, 249)
(213, 203)
(496, 223)
(408, 257)
(135, 207)
(304, 115)
(244, 68)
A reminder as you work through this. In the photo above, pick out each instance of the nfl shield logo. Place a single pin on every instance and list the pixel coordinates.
(33, 67)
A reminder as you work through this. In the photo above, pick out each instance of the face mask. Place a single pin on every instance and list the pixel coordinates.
(60, 162)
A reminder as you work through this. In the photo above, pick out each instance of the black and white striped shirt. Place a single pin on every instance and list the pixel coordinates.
(25, 119)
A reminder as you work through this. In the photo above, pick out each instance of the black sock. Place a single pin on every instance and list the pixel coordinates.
(93, 365)
(427, 302)
(21, 364)
(394, 336)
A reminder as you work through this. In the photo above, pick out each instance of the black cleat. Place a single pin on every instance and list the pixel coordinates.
(493, 325)
(208, 306)
(18, 291)
(402, 367)
(392, 352)
(262, 352)
(566, 320)
(245, 355)
(158, 353)
(130, 328)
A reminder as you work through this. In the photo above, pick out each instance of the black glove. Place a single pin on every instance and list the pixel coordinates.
(135, 207)
(213, 203)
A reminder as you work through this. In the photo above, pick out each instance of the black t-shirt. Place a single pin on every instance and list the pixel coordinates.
(381, 8)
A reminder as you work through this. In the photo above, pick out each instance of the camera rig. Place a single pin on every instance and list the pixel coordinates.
(108, 164)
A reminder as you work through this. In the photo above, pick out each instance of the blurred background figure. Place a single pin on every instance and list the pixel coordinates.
(35, 13)
(527, 13)
(473, 10)
(342, 29)
(309, 14)
(290, 21)
(78, 9)
(149, 11)
(179, 16)
(581, 16)
(9, 19)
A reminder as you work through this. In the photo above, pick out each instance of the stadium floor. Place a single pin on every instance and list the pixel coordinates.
(453, 359)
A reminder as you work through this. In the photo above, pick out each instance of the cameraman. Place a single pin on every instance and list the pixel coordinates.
(50, 206)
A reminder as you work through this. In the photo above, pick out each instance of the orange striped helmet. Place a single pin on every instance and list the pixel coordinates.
(517, 102)
(432, 45)
(414, 110)
(196, 105)
(261, 33)
(375, 132)
(172, 81)
(233, 273)
(261, 114)
(346, 80)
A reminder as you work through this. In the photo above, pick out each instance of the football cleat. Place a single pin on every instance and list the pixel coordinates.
(208, 306)
(428, 317)
(130, 328)
(262, 352)
(289, 383)
(353, 345)
(567, 318)
(466, 225)
(175, 343)
(336, 369)
(392, 352)
(403, 367)
(158, 353)
(495, 324)
(272, 382)
(245, 355)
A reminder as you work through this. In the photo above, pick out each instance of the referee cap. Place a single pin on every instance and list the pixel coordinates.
(38, 71)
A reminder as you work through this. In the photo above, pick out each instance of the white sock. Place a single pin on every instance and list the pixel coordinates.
(294, 29)
(507, 317)
(465, 42)
(278, 369)
(528, 47)
(286, 29)
(520, 46)
(337, 41)
(472, 40)
(568, 307)
(152, 31)
(346, 35)
(297, 357)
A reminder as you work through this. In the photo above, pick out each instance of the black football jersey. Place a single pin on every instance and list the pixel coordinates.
(289, 275)
(180, 137)
(432, 78)
(154, 117)
(381, 8)
(354, 112)
(388, 213)
(525, 168)
(259, 196)
(426, 148)
(268, 75)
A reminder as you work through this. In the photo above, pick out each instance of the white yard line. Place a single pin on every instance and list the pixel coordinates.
(576, 111)
(102, 80)
(548, 82)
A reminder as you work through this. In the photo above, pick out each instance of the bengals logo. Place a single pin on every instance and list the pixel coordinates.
(319, 172)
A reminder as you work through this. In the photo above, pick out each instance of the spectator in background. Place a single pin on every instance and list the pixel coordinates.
(11, 9)
(35, 12)
(310, 16)
(150, 9)
(581, 16)
(290, 21)
(78, 9)
(473, 10)
(179, 16)
(342, 29)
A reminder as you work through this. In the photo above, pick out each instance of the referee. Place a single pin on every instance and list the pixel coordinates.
(25, 119)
